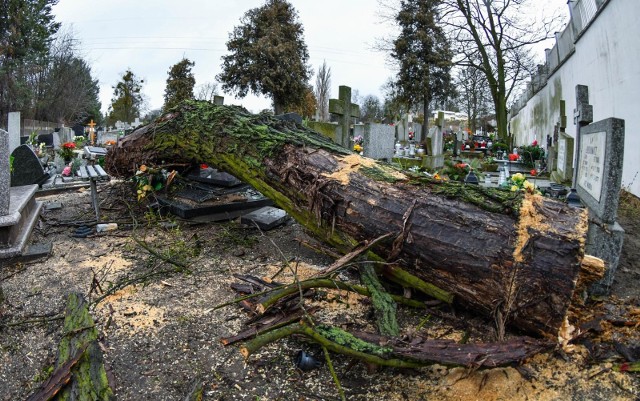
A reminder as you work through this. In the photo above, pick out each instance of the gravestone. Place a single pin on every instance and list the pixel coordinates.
(212, 176)
(50, 140)
(218, 100)
(19, 209)
(598, 179)
(27, 168)
(265, 218)
(582, 116)
(346, 112)
(4, 173)
(435, 156)
(564, 158)
(599, 172)
(15, 131)
(379, 141)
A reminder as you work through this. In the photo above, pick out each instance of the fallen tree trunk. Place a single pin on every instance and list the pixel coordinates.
(508, 255)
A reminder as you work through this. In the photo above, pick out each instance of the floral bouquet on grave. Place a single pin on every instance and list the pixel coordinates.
(79, 141)
(357, 143)
(520, 183)
(66, 150)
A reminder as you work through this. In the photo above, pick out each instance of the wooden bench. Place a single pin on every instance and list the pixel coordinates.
(93, 174)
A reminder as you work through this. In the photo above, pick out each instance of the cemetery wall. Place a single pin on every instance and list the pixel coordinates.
(606, 58)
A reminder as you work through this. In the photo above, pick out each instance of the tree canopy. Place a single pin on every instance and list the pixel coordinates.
(27, 28)
(127, 100)
(180, 84)
(268, 56)
(494, 37)
(423, 55)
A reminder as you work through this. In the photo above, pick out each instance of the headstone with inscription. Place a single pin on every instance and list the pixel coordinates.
(598, 179)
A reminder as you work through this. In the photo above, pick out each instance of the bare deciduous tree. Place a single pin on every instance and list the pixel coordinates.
(495, 37)
(323, 91)
(207, 91)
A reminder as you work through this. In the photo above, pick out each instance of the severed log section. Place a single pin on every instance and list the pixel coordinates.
(513, 257)
(80, 373)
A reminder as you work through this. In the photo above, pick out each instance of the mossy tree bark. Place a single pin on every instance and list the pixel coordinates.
(504, 254)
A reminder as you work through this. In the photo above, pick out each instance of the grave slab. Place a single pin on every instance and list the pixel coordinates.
(265, 218)
(16, 226)
(212, 176)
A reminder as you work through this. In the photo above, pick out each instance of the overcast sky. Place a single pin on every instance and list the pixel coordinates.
(150, 36)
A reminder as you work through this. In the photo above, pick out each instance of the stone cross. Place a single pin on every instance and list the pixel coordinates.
(5, 174)
(346, 110)
(92, 132)
(582, 116)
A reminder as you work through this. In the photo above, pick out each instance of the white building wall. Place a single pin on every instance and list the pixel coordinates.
(607, 60)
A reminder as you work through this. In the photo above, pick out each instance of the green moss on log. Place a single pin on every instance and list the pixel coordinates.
(348, 340)
(89, 379)
(384, 306)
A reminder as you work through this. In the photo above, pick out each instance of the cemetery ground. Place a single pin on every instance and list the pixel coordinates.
(160, 330)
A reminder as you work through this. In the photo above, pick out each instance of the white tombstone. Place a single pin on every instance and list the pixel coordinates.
(14, 130)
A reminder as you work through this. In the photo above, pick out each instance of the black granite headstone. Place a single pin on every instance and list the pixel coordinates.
(27, 169)
(47, 139)
(212, 176)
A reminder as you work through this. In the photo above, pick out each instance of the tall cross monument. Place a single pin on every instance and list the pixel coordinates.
(346, 110)
(92, 132)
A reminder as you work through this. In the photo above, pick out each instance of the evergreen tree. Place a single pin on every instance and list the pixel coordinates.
(268, 56)
(127, 99)
(423, 55)
(26, 31)
(180, 84)
(371, 110)
(65, 89)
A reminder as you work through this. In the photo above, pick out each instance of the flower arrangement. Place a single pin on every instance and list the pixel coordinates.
(357, 143)
(110, 142)
(39, 150)
(66, 150)
(513, 157)
(456, 171)
(79, 141)
(531, 153)
(149, 180)
(520, 183)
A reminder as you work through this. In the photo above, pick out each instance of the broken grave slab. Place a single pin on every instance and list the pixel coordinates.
(212, 176)
(266, 218)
